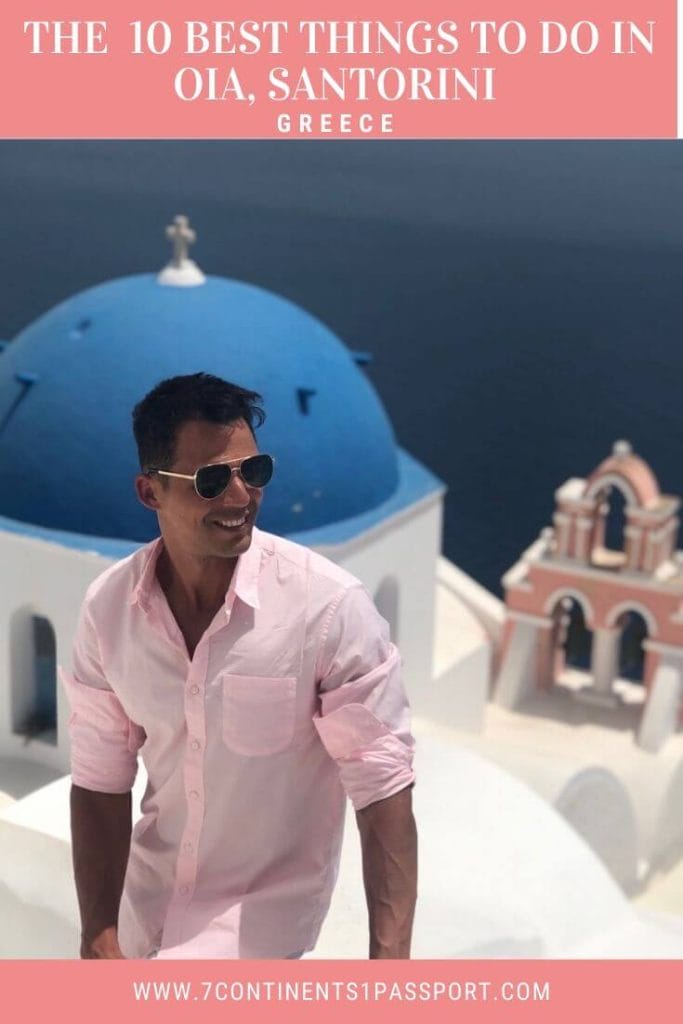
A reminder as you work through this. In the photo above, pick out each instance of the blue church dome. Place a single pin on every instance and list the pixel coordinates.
(69, 381)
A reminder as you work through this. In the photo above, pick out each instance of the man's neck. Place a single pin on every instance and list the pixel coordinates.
(200, 584)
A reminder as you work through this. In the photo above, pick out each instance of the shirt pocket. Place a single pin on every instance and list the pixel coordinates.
(258, 713)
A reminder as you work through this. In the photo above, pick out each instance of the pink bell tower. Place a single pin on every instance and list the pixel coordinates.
(606, 564)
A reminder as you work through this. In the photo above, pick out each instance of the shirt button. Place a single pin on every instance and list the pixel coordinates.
(194, 689)
(195, 744)
(184, 889)
(188, 847)
(194, 794)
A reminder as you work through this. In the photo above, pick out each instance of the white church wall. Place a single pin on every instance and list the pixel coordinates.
(457, 696)
(668, 838)
(403, 549)
(463, 657)
(598, 804)
(655, 785)
(660, 719)
(38, 905)
(488, 609)
(517, 676)
(47, 580)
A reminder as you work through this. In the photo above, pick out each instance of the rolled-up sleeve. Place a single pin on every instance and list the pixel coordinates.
(364, 720)
(104, 741)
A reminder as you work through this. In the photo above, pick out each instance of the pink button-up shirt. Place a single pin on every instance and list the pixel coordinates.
(292, 698)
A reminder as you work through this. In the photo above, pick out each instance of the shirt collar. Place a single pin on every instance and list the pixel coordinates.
(244, 583)
(146, 579)
(245, 578)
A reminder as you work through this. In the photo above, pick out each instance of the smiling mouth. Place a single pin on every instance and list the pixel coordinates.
(231, 524)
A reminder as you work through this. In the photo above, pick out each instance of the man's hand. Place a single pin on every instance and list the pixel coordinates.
(104, 947)
(389, 843)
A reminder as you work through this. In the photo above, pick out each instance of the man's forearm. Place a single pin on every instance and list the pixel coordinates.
(100, 833)
(389, 843)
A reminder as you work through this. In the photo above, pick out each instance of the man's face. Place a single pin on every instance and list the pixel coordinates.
(195, 525)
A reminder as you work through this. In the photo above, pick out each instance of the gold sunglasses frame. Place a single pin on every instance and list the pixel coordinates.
(235, 466)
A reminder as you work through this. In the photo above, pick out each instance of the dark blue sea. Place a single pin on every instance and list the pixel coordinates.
(523, 301)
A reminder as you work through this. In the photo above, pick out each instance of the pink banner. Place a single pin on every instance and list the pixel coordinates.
(331, 70)
(514, 991)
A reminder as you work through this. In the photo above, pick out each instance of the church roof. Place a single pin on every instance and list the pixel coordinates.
(69, 381)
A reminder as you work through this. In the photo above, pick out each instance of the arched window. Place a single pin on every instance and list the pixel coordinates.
(616, 520)
(34, 676)
(631, 651)
(387, 601)
(609, 541)
(573, 634)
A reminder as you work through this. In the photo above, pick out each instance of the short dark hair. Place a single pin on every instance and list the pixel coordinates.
(177, 400)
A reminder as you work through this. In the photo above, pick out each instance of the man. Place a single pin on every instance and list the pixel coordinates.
(258, 682)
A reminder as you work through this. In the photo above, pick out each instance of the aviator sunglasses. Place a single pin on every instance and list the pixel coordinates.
(210, 481)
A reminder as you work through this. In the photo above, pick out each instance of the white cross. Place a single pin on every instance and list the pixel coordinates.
(182, 236)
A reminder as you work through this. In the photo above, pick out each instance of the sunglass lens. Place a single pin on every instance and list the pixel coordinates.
(257, 470)
(212, 480)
